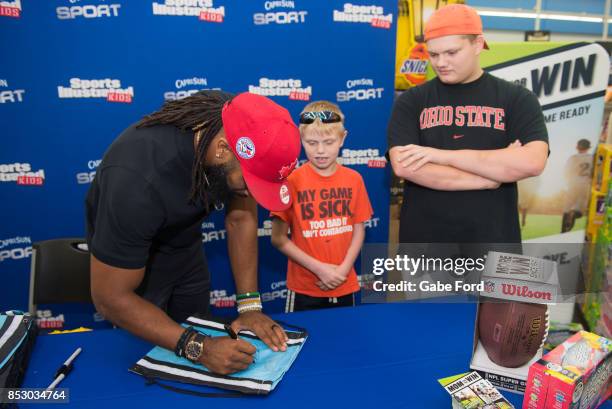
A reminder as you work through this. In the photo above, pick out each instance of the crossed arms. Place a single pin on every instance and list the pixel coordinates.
(468, 169)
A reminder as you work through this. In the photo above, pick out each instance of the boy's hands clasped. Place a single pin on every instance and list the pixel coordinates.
(331, 275)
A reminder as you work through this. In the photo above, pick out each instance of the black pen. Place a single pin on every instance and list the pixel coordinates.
(230, 331)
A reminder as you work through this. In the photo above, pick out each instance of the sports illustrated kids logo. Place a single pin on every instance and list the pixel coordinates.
(10, 96)
(22, 174)
(294, 89)
(46, 320)
(10, 9)
(84, 178)
(186, 87)
(369, 157)
(107, 88)
(365, 14)
(220, 299)
(362, 89)
(77, 10)
(15, 248)
(280, 12)
(204, 10)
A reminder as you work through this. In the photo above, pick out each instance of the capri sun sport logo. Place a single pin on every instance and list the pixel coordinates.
(10, 95)
(210, 233)
(87, 11)
(272, 16)
(87, 177)
(107, 88)
(186, 87)
(361, 89)
(15, 248)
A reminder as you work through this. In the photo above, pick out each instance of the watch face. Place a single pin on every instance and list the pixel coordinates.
(193, 350)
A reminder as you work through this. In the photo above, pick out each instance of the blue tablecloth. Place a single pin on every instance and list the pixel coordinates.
(384, 356)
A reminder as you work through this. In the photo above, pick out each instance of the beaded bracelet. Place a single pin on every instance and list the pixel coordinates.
(249, 308)
(256, 306)
(248, 298)
(250, 301)
(253, 294)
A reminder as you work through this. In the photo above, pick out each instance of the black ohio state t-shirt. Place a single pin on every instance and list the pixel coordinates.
(485, 114)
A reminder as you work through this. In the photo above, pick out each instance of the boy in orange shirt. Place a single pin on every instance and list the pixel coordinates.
(330, 204)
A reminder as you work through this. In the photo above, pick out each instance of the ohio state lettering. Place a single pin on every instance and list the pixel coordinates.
(463, 115)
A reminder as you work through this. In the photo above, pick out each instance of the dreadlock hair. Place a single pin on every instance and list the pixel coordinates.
(200, 113)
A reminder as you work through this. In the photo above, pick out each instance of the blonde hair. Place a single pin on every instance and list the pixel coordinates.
(320, 127)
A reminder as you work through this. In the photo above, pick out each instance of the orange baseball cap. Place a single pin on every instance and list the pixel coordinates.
(454, 19)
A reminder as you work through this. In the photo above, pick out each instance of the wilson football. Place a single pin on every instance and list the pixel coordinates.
(512, 332)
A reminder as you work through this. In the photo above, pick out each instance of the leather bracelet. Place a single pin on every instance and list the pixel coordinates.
(179, 350)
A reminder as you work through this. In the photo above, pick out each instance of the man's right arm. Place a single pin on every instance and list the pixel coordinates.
(440, 177)
(112, 290)
(124, 230)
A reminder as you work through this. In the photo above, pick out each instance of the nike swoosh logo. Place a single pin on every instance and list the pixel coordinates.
(457, 136)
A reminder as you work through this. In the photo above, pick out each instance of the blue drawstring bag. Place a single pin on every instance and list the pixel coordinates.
(259, 378)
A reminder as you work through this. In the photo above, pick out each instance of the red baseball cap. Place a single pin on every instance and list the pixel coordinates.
(453, 19)
(266, 142)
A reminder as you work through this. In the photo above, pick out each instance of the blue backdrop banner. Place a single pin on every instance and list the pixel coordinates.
(75, 73)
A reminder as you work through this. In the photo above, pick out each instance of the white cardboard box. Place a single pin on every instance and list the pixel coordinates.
(513, 277)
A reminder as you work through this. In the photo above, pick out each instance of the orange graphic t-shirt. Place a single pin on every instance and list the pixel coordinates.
(321, 219)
